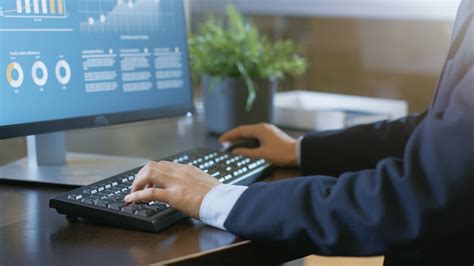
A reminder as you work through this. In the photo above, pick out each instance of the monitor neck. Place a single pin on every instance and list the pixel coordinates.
(46, 149)
(48, 163)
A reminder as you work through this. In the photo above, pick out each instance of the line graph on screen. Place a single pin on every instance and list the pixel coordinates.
(126, 16)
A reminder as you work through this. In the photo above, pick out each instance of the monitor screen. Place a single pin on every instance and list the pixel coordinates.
(65, 59)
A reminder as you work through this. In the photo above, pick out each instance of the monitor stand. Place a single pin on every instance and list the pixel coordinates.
(48, 162)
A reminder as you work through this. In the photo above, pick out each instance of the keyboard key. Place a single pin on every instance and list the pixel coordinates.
(116, 206)
(88, 201)
(156, 207)
(75, 197)
(102, 194)
(119, 197)
(130, 209)
(72, 197)
(114, 184)
(127, 210)
(102, 203)
(108, 186)
(95, 197)
(146, 213)
(113, 198)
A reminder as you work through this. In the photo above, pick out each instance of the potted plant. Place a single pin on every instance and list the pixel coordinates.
(239, 70)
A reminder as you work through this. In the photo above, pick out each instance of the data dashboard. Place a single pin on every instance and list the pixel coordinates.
(64, 59)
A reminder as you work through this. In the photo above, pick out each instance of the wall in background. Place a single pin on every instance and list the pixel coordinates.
(380, 58)
(364, 9)
(391, 58)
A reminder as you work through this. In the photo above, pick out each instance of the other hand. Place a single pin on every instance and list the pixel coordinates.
(275, 145)
(181, 186)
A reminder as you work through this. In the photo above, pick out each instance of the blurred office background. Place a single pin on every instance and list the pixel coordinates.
(379, 48)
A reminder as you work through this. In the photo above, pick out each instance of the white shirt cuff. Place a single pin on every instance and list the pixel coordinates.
(218, 203)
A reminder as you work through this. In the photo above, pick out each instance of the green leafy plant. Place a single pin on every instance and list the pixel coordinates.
(236, 49)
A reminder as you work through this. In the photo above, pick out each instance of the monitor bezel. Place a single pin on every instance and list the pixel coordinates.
(103, 120)
(22, 130)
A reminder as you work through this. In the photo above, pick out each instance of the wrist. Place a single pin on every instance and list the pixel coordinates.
(292, 153)
(202, 195)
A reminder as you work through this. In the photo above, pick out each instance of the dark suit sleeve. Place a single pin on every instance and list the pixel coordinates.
(335, 152)
(426, 194)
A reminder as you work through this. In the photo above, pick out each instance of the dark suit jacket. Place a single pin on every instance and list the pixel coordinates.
(404, 189)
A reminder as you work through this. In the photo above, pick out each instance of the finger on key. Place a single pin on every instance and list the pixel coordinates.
(148, 195)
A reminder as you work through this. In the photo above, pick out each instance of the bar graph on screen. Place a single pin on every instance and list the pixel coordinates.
(36, 9)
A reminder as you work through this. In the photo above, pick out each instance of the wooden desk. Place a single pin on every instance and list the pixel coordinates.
(31, 233)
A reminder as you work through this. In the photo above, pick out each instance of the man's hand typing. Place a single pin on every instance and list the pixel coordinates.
(182, 186)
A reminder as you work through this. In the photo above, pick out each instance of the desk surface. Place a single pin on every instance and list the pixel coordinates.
(32, 233)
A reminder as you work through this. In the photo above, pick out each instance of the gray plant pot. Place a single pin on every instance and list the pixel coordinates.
(225, 102)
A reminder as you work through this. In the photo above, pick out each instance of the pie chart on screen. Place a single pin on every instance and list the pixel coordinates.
(39, 73)
(63, 72)
(15, 75)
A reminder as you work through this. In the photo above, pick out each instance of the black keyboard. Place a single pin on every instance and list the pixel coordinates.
(103, 201)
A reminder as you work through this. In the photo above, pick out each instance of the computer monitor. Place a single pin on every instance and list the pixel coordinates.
(70, 64)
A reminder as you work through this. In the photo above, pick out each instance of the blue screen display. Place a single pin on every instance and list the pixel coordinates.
(64, 59)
